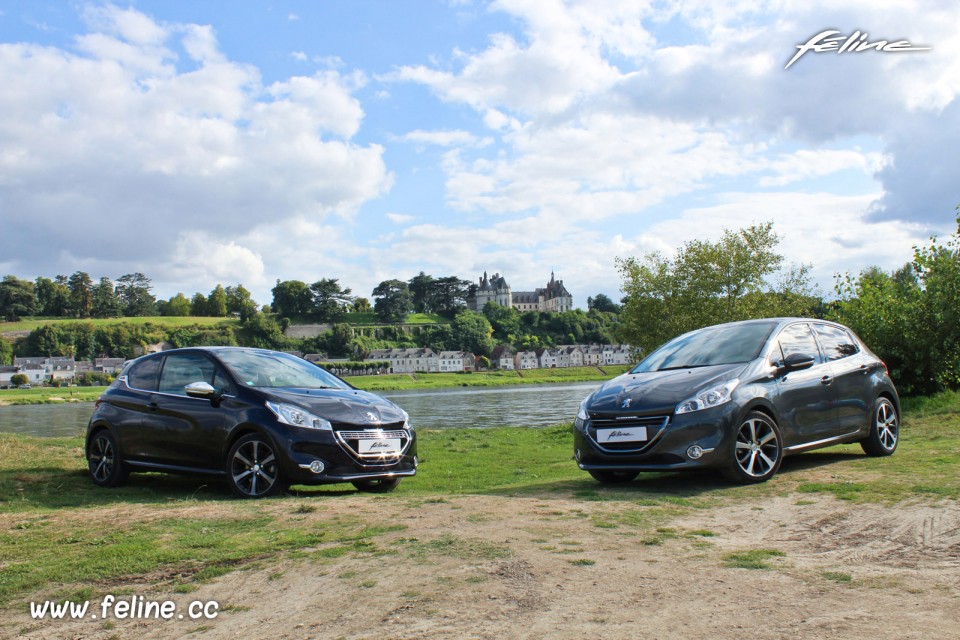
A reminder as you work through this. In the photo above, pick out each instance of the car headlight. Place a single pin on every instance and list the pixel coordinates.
(582, 413)
(406, 420)
(293, 415)
(712, 397)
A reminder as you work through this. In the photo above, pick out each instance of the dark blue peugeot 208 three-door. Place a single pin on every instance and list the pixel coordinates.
(261, 419)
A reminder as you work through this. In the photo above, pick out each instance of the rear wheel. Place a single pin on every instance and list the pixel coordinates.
(104, 461)
(613, 477)
(884, 430)
(252, 469)
(757, 450)
(379, 485)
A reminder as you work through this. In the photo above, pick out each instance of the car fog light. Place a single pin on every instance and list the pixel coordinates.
(577, 455)
(695, 452)
(416, 462)
(317, 466)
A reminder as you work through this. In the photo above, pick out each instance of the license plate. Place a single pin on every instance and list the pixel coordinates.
(380, 445)
(622, 434)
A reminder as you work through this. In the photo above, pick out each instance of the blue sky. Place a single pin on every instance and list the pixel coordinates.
(241, 143)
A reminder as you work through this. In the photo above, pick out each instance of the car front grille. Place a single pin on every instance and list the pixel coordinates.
(362, 445)
(655, 426)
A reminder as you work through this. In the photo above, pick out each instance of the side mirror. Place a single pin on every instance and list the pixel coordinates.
(203, 390)
(797, 361)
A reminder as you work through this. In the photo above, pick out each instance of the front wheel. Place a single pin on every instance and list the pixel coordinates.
(884, 430)
(252, 469)
(757, 450)
(104, 461)
(379, 485)
(613, 477)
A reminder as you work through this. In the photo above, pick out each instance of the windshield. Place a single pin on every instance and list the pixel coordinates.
(273, 369)
(724, 344)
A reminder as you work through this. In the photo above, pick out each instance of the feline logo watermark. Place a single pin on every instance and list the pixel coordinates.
(856, 42)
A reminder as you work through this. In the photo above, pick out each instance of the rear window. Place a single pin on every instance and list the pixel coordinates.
(837, 342)
(143, 375)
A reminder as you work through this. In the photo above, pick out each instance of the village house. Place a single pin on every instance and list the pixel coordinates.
(502, 357)
(62, 369)
(457, 361)
(526, 360)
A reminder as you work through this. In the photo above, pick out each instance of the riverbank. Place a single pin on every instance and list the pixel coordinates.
(388, 382)
(501, 532)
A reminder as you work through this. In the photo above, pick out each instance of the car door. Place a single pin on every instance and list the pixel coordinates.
(851, 376)
(131, 405)
(805, 397)
(185, 431)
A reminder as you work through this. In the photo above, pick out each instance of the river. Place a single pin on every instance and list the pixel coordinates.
(520, 405)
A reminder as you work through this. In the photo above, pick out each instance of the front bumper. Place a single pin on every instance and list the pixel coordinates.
(669, 439)
(341, 459)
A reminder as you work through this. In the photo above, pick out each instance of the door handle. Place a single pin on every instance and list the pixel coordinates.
(826, 380)
(153, 406)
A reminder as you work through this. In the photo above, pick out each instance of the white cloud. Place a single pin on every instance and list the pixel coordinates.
(400, 218)
(446, 138)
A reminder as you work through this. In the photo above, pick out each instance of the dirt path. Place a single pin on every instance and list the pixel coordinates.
(508, 567)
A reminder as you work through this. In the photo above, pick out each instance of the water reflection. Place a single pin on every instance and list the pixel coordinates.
(521, 406)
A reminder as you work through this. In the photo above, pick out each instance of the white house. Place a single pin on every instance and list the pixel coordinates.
(457, 361)
(526, 360)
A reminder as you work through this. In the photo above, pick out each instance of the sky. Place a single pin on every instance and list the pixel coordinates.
(241, 143)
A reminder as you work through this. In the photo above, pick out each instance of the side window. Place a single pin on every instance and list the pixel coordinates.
(798, 338)
(181, 369)
(143, 375)
(222, 383)
(837, 343)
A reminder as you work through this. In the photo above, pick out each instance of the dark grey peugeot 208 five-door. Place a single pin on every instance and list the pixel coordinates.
(739, 397)
(261, 419)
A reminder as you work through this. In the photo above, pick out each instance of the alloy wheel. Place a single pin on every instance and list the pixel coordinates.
(758, 447)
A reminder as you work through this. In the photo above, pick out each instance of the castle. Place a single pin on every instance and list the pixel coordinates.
(552, 298)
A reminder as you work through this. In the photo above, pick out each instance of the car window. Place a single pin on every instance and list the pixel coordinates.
(181, 369)
(798, 338)
(723, 344)
(143, 375)
(837, 343)
(277, 370)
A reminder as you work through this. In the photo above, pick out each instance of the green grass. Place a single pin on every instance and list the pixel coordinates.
(29, 324)
(49, 395)
(60, 534)
(752, 559)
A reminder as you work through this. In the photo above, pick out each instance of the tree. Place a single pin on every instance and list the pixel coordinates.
(329, 299)
(504, 320)
(421, 289)
(198, 305)
(17, 298)
(53, 297)
(292, 298)
(217, 302)
(472, 332)
(177, 305)
(393, 301)
(105, 303)
(81, 294)
(240, 302)
(602, 302)
(133, 292)
(18, 379)
(709, 283)
(361, 305)
(910, 318)
(449, 296)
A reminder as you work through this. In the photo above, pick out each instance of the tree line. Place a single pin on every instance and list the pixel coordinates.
(130, 296)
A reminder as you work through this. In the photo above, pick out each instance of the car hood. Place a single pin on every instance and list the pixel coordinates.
(658, 392)
(350, 406)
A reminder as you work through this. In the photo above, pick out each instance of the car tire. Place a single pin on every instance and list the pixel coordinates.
(884, 430)
(104, 461)
(756, 450)
(252, 468)
(613, 477)
(379, 485)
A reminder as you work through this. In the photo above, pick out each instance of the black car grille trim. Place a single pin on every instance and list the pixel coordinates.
(608, 421)
(349, 441)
